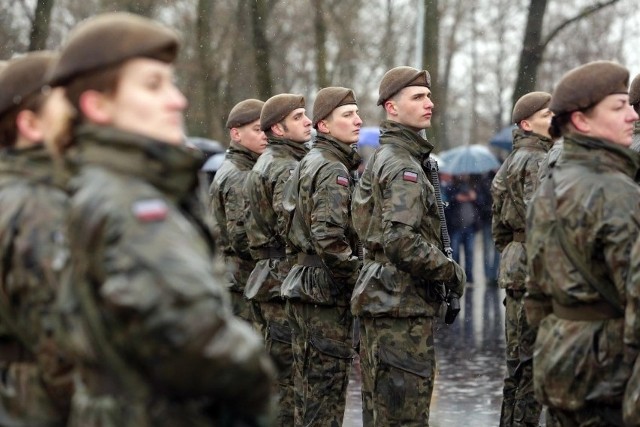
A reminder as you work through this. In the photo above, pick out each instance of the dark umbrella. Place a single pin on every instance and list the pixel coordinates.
(467, 160)
(503, 139)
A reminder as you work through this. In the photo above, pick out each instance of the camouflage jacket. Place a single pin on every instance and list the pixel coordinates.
(395, 214)
(267, 219)
(145, 310)
(227, 207)
(597, 205)
(511, 191)
(33, 249)
(549, 161)
(635, 145)
(318, 199)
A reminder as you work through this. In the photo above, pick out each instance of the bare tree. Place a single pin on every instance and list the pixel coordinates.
(320, 32)
(40, 25)
(431, 61)
(259, 15)
(534, 45)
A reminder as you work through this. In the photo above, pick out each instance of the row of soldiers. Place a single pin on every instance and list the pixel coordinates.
(566, 219)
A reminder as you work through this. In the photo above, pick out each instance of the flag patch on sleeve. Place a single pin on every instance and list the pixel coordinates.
(342, 180)
(410, 176)
(150, 210)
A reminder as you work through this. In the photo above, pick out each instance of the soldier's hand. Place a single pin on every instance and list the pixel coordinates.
(456, 284)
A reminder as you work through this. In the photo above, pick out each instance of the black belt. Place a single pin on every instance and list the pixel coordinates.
(600, 310)
(310, 260)
(271, 252)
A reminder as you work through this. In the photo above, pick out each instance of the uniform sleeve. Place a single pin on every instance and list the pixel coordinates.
(531, 179)
(235, 213)
(217, 215)
(161, 305)
(403, 212)
(279, 184)
(330, 222)
(502, 234)
(259, 211)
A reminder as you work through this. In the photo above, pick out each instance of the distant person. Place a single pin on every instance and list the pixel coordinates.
(513, 187)
(462, 217)
(227, 200)
(583, 227)
(484, 203)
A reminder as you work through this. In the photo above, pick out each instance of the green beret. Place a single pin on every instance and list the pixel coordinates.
(278, 107)
(22, 77)
(398, 78)
(330, 98)
(244, 112)
(585, 86)
(529, 104)
(634, 91)
(110, 39)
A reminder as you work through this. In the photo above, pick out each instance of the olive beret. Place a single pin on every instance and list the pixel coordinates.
(585, 86)
(330, 98)
(110, 39)
(634, 91)
(529, 104)
(22, 77)
(398, 78)
(244, 112)
(278, 107)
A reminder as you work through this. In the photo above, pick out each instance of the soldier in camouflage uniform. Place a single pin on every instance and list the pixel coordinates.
(581, 226)
(319, 286)
(511, 191)
(634, 100)
(146, 315)
(406, 273)
(227, 201)
(287, 127)
(36, 384)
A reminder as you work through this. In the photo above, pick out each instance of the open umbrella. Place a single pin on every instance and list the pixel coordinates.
(467, 160)
(503, 139)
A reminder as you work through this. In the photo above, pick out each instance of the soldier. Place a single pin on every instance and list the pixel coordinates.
(146, 315)
(37, 385)
(287, 127)
(227, 201)
(406, 273)
(319, 286)
(512, 190)
(581, 226)
(634, 100)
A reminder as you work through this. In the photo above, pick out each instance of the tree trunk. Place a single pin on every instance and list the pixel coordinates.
(207, 126)
(40, 27)
(431, 62)
(531, 53)
(320, 31)
(261, 49)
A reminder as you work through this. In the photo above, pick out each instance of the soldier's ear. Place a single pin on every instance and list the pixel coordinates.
(234, 134)
(278, 129)
(96, 107)
(581, 121)
(29, 127)
(323, 127)
(390, 107)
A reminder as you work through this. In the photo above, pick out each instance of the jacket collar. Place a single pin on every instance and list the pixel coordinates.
(394, 133)
(296, 149)
(522, 138)
(601, 153)
(347, 153)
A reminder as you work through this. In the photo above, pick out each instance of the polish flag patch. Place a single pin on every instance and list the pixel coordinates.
(410, 176)
(342, 180)
(150, 210)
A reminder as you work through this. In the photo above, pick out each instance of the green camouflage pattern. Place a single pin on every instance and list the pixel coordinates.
(227, 209)
(549, 161)
(266, 218)
(145, 313)
(401, 369)
(318, 202)
(635, 145)
(37, 387)
(512, 189)
(578, 364)
(396, 215)
(322, 356)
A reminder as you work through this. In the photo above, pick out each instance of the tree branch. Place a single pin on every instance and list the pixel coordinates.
(583, 14)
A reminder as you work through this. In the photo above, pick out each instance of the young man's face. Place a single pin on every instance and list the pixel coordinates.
(296, 126)
(411, 107)
(539, 122)
(250, 136)
(147, 102)
(612, 119)
(343, 124)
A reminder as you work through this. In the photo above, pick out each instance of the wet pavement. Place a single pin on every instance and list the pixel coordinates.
(470, 363)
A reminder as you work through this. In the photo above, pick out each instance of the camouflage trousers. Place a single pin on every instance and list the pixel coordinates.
(398, 365)
(277, 338)
(367, 386)
(519, 406)
(24, 400)
(593, 415)
(322, 357)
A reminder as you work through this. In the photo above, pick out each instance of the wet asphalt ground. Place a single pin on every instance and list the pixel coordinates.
(470, 362)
